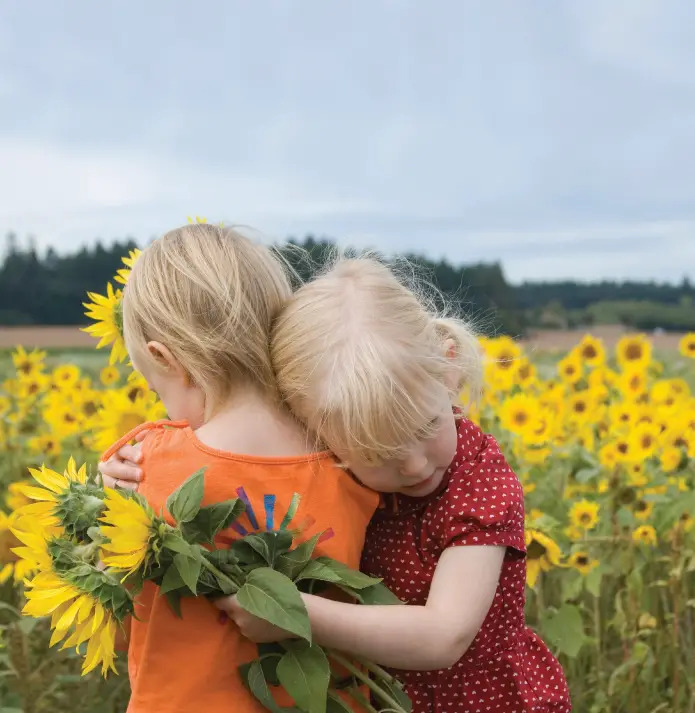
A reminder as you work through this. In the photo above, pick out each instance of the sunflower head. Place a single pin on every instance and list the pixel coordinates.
(634, 350)
(687, 345)
(130, 530)
(67, 498)
(107, 313)
(582, 562)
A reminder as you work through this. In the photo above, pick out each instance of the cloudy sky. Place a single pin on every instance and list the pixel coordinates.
(555, 136)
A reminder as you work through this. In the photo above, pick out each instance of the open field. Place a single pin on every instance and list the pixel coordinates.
(544, 340)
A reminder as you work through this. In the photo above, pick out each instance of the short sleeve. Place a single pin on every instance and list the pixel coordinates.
(484, 503)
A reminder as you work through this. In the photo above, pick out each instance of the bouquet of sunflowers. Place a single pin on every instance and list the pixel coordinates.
(91, 550)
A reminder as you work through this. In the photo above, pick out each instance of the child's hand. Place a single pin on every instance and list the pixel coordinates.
(122, 469)
(257, 630)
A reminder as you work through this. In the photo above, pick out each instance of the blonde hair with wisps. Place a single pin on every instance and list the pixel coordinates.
(210, 295)
(362, 359)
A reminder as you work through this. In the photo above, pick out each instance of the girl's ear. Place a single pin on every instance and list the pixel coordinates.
(163, 356)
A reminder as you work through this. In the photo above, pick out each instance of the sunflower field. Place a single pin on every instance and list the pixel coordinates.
(604, 444)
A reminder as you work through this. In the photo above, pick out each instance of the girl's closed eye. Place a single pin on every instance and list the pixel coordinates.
(429, 430)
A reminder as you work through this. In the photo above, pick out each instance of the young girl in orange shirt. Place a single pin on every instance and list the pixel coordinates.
(197, 315)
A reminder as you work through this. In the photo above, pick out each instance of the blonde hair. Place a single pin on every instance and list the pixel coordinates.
(361, 359)
(210, 295)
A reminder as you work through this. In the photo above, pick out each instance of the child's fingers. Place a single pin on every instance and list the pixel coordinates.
(227, 604)
(121, 471)
(141, 436)
(130, 453)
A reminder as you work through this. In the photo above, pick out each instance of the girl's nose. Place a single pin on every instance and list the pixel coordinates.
(414, 465)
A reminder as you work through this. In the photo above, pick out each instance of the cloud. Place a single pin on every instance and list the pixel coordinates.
(533, 133)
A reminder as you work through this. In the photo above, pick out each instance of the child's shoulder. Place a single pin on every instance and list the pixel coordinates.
(158, 434)
(480, 477)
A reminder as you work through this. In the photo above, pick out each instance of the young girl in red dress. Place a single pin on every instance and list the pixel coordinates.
(374, 374)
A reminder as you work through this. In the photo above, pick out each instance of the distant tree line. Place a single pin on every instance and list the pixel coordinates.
(49, 289)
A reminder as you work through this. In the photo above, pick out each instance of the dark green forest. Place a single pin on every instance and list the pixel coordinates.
(48, 289)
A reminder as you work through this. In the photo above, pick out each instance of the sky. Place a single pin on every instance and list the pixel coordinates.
(554, 137)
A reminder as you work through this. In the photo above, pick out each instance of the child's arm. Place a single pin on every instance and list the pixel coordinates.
(418, 638)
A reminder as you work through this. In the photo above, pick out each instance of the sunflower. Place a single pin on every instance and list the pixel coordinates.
(63, 418)
(686, 522)
(636, 476)
(582, 562)
(67, 499)
(518, 414)
(123, 274)
(644, 440)
(542, 553)
(31, 387)
(570, 368)
(28, 363)
(541, 428)
(109, 375)
(687, 345)
(52, 593)
(584, 514)
(624, 451)
(634, 351)
(526, 374)
(581, 408)
(119, 414)
(642, 509)
(608, 455)
(107, 313)
(66, 375)
(47, 445)
(128, 528)
(671, 458)
(591, 351)
(632, 382)
(644, 535)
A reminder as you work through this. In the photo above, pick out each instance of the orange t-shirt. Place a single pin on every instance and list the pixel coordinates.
(188, 664)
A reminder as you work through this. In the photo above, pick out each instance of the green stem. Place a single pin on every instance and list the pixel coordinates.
(220, 575)
(357, 696)
(375, 669)
(360, 675)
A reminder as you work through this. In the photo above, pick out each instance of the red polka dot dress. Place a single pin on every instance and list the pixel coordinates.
(507, 668)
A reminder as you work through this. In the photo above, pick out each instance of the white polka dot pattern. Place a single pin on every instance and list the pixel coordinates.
(507, 668)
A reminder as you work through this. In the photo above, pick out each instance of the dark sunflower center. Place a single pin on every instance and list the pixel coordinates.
(589, 351)
(536, 550)
(633, 352)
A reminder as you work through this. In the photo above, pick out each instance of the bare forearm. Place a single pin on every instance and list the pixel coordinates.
(408, 637)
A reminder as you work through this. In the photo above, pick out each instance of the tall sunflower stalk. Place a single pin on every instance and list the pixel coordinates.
(94, 548)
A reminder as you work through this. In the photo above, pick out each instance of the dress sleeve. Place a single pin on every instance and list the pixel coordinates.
(484, 503)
